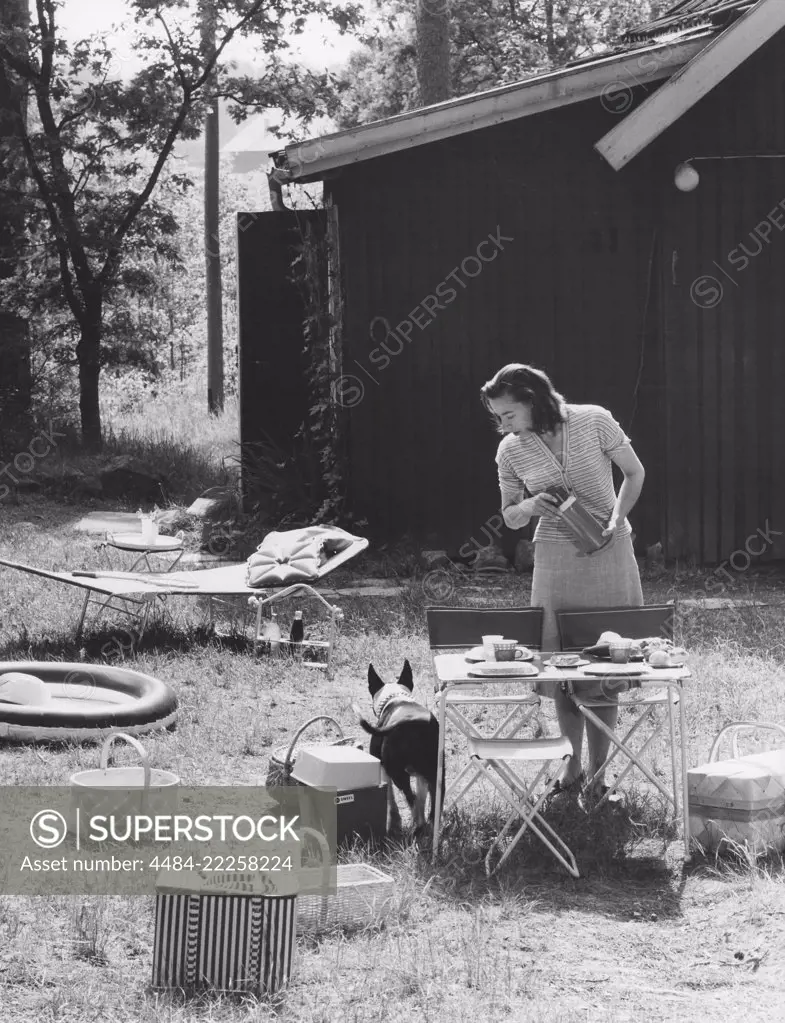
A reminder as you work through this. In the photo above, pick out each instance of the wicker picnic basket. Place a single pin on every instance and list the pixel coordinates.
(364, 896)
(283, 759)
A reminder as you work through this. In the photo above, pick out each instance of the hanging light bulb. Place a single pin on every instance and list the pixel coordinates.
(686, 178)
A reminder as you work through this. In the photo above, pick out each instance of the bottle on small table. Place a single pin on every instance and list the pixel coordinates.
(297, 635)
(270, 635)
(274, 634)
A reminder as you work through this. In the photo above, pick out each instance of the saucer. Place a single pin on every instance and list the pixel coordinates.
(478, 654)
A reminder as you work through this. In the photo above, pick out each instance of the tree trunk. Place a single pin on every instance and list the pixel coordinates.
(88, 353)
(433, 50)
(550, 37)
(15, 377)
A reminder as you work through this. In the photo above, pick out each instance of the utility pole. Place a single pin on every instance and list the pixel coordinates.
(212, 244)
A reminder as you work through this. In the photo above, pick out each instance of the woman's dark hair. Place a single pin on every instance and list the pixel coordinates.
(529, 386)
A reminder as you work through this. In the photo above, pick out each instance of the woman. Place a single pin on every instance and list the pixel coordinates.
(548, 442)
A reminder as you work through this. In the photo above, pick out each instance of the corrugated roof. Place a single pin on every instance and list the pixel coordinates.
(690, 15)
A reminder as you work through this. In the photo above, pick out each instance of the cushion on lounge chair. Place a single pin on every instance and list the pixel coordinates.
(295, 555)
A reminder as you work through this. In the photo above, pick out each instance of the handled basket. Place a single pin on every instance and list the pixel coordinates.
(124, 791)
(283, 759)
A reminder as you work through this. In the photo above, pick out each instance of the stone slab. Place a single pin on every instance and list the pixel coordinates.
(370, 591)
(723, 603)
(109, 522)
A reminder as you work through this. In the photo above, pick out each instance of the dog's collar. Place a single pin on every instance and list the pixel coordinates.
(399, 694)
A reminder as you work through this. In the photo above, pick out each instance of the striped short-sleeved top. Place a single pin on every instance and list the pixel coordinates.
(591, 435)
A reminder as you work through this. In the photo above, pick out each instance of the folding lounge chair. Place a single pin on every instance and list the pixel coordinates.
(144, 588)
(492, 756)
(580, 629)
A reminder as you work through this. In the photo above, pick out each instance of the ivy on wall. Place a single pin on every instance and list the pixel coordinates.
(315, 271)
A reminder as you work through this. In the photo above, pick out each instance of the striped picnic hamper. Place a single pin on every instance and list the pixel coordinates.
(231, 932)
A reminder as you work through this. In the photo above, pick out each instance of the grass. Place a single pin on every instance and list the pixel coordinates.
(640, 936)
(168, 435)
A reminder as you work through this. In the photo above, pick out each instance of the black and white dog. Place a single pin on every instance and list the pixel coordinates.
(406, 740)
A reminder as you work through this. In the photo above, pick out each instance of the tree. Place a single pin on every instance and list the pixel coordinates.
(492, 43)
(14, 337)
(89, 129)
(432, 20)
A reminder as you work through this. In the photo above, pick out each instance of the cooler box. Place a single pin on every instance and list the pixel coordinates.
(739, 801)
(361, 799)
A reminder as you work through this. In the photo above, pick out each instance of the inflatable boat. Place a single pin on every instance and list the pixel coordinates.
(49, 702)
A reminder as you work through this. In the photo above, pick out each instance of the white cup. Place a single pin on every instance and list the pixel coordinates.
(149, 529)
(488, 646)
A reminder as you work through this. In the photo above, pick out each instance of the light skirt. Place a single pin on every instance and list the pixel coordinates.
(564, 580)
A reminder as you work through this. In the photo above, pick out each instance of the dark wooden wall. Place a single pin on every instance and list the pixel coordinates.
(723, 336)
(572, 293)
(597, 289)
(274, 395)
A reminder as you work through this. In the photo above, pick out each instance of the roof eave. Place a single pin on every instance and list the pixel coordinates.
(605, 78)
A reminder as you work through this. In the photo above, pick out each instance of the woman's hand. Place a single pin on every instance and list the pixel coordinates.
(541, 504)
(612, 526)
(516, 516)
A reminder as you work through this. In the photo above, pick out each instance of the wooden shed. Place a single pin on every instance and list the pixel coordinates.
(556, 221)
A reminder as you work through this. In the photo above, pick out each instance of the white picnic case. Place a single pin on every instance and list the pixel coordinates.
(740, 801)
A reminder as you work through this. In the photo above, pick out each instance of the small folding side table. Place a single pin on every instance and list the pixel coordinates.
(171, 546)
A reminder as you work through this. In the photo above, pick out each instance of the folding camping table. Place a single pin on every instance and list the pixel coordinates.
(452, 671)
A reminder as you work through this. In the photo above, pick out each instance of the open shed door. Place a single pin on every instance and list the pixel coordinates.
(274, 394)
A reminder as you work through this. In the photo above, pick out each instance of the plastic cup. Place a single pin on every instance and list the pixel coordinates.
(620, 650)
(488, 646)
(149, 530)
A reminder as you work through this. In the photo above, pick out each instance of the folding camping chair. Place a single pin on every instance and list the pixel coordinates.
(490, 756)
(493, 758)
(580, 629)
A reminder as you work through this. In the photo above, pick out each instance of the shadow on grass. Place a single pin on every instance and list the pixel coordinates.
(628, 871)
(120, 644)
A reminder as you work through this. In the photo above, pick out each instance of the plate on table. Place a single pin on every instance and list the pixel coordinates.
(553, 662)
(605, 670)
(603, 651)
(478, 654)
(504, 669)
